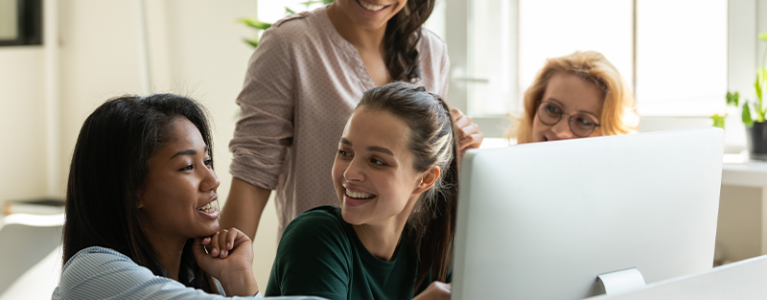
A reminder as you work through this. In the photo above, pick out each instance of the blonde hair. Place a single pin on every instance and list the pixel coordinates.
(618, 112)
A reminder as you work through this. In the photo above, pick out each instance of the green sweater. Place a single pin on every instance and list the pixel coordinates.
(321, 255)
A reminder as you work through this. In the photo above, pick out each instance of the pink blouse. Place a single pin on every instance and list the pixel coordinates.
(302, 84)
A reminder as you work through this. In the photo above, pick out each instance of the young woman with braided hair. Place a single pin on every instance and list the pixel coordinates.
(304, 80)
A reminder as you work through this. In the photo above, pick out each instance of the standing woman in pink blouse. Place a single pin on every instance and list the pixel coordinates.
(302, 84)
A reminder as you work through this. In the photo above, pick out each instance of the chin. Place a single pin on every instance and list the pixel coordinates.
(351, 217)
(210, 229)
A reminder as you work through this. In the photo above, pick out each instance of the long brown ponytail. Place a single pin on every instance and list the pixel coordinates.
(432, 142)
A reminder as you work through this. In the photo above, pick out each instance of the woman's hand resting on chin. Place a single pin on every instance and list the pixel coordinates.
(228, 256)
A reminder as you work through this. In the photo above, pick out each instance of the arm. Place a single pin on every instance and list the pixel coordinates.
(100, 273)
(244, 207)
(104, 273)
(263, 133)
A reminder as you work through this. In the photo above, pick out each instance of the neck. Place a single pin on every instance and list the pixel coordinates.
(362, 38)
(381, 239)
(168, 252)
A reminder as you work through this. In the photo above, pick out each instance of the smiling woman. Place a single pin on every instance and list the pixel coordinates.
(140, 208)
(395, 177)
(576, 96)
(307, 75)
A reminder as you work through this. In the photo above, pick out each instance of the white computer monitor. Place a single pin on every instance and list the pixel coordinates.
(542, 220)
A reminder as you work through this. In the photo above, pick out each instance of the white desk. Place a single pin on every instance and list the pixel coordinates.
(741, 280)
(749, 174)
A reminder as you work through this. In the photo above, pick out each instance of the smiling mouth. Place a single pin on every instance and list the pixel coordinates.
(359, 195)
(210, 207)
(371, 7)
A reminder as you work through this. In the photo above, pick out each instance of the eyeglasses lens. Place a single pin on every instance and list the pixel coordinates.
(549, 114)
(581, 125)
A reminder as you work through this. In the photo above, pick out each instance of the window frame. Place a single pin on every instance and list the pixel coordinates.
(30, 24)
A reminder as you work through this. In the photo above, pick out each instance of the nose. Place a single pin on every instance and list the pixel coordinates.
(354, 171)
(562, 129)
(210, 181)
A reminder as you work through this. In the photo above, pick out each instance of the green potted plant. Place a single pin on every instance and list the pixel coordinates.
(756, 125)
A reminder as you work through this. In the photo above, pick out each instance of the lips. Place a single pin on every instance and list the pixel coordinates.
(370, 7)
(357, 197)
(210, 209)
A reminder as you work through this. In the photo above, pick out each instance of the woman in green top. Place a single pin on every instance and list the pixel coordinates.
(396, 177)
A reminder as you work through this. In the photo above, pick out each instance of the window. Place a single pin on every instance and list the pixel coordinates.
(681, 57)
(672, 53)
(20, 22)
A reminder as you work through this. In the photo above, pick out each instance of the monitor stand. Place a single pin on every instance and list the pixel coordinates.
(621, 281)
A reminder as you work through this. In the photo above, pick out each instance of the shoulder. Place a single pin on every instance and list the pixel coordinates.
(298, 27)
(92, 259)
(321, 227)
(324, 220)
(93, 268)
(431, 43)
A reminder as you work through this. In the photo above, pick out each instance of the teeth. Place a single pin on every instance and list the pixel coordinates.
(208, 208)
(370, 7)
(358, 195)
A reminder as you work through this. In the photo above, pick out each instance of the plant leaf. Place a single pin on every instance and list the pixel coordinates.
(255, 23)
(732, 99)
(718, 121)
(746, 115)
(763, 36)
(758, 88)
(253, 42)
(307, 3)
(326, 2)
(289, 11)
(759, 117)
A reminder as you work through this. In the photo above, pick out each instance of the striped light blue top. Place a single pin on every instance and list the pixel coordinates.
(102, 273)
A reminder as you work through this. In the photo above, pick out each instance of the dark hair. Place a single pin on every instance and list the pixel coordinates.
(431, 226)
(403, 32)
(109, 167)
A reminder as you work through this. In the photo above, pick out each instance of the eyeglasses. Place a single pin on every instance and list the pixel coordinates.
(581, 125)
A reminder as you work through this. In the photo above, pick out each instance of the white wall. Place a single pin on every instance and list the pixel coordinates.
(22, 123)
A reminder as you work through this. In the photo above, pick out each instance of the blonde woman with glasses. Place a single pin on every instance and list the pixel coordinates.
(576, 96)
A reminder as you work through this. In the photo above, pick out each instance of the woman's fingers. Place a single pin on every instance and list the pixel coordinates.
(231, 235)
(468, 132)
(198, 248)
(221, 238)
(214, 245)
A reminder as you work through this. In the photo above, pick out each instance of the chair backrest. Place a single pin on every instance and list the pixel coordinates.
(26, 240)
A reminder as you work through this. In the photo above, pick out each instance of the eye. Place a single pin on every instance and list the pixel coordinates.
(208, 162)
(187, 168)
(584, 121)
(553, 109)
(343, 153)
(377, 162)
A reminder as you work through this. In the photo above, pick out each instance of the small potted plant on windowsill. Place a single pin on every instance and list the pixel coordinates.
(756, 125)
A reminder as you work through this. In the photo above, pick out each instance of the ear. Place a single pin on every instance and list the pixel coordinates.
(140, 199)
(428, 179)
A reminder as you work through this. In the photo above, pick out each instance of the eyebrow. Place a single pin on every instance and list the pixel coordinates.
(371, 148)
(188, 152)
(580, 111)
